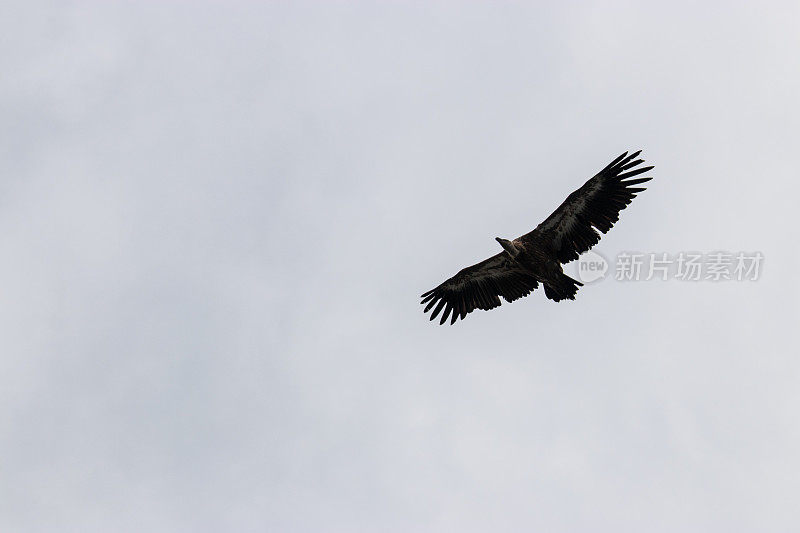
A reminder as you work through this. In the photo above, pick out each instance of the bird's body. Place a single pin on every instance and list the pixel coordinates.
(536, 257)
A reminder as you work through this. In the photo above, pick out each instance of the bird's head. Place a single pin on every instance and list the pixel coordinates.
(508, 246)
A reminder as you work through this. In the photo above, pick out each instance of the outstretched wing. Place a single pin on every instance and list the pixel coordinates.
(478, 287)
(571, 228)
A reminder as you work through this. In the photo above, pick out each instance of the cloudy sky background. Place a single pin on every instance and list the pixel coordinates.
(216, 219)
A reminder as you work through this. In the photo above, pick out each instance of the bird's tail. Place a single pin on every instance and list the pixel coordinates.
(564, 288)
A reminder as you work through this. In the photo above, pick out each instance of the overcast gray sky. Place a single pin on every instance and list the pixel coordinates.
(216, 220)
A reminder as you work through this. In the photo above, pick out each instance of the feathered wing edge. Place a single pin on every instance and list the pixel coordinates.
(596, 204)
(479, 287)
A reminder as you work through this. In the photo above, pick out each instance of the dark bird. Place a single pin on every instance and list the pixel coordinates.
(536, 257)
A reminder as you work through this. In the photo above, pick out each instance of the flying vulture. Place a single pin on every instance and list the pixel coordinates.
(536, 257)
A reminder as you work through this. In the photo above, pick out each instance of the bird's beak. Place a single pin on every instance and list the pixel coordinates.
(498, 239)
